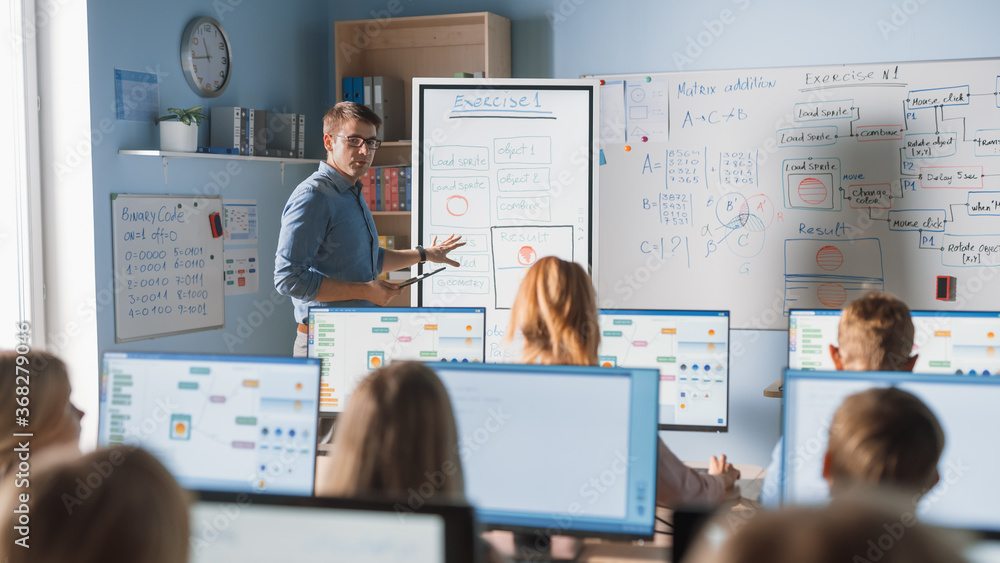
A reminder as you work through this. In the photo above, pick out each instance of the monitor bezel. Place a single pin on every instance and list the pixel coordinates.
(729, 334)
(459, 519)
(594, 371)
(209, 357)
(333, 415)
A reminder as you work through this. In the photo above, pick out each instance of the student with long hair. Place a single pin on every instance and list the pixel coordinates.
(36, 385)
(556, 312)
(117, 504)
(397, 435)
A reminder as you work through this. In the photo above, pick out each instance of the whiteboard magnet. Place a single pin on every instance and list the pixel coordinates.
(645, 138)
(627, 148)
(602, 83)
(215, 220)
(648, 79)
(945, 288)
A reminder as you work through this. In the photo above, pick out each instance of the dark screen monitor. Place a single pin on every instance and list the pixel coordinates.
(225, 423)
(264, 528)
(961, 342)
(557, 449)
(354, 341)
(966, 495)
(690, 349)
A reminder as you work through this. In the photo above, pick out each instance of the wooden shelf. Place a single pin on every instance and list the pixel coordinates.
(424, 46)
(167, 155)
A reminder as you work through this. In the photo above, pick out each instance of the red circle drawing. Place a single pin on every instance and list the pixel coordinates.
(831, 294)
(526, 256)
(812, 191)
(757, 213)
(829, 258)
(456, 205)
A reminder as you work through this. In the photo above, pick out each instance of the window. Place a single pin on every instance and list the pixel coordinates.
(20, 205)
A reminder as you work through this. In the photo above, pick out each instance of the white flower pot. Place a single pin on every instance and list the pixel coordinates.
(177, 137)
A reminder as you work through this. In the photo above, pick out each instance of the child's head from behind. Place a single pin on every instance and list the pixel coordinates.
(54, 420)
(875, 334)
(556, 312)
(842, 531)
(397, 433)
(883, 437)
(118, 504)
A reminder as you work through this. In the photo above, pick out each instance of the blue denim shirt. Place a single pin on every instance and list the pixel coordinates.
(326, 231)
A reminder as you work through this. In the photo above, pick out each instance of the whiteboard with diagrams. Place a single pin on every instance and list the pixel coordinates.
(510, 165)
(762, 190)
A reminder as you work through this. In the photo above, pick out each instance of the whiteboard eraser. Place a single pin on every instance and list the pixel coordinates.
(215, 220)
(945, 288)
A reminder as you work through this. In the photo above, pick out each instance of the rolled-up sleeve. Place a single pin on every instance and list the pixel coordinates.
(304, 223)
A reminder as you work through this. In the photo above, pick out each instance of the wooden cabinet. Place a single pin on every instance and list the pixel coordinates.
(408, 47)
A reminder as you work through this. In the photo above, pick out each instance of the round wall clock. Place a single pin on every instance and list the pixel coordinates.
(206, 57)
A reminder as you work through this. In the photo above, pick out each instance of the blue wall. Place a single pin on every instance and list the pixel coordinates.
(279, 62)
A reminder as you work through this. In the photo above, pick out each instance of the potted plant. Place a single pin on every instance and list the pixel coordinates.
(179, 129)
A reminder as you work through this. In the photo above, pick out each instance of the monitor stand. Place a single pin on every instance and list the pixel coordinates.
(539, 546)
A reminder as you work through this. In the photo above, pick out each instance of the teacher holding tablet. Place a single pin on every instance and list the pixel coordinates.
(328, 252)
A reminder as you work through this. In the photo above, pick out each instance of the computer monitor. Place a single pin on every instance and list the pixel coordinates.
(265, 528)
(352, 342)
(965, 497)
(945, 341)
(557, 449)
(691, 351)
(225, 423)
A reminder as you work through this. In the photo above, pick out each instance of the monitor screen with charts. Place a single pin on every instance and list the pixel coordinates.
(569, 450)
(265, 528)
(352, 342)
(691, 351)
(966, 495)
(960, 342)
(223, 423)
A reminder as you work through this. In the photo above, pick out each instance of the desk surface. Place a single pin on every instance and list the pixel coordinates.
(775, 389)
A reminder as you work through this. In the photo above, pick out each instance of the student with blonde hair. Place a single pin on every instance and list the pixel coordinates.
(875, 334)
(556, 312)
(883, 437)
(117, 504)
(397, 435)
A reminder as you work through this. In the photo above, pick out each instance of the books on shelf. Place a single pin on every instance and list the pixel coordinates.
(387, 188)
(256, 132)
(384, 96)
(389, 243)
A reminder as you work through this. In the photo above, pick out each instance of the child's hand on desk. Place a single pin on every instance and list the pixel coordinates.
(719, 466)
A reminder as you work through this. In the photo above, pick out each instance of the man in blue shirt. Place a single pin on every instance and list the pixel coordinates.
(328, 252)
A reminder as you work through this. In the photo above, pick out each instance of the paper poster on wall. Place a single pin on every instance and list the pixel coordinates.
(137, 95)
(242, 275)
(240, 219)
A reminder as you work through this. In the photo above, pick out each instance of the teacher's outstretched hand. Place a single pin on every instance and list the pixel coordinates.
(439, 252)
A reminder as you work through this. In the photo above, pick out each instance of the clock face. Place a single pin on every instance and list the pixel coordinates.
(205, 57)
